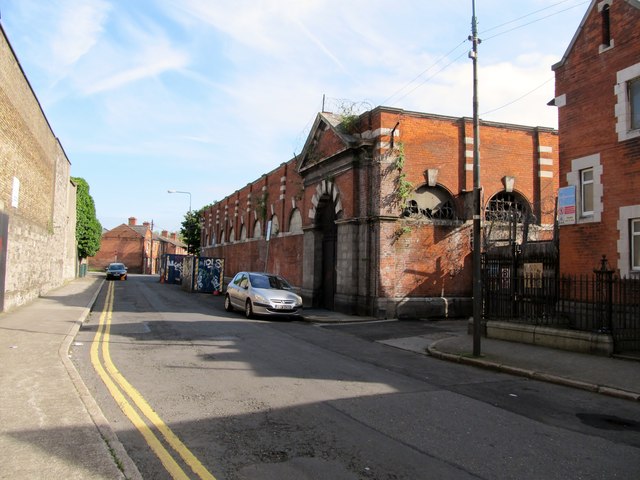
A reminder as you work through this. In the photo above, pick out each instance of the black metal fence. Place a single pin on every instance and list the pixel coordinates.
(530, 292)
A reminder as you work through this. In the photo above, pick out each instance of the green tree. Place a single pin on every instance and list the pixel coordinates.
(190, 231)
(88, 228)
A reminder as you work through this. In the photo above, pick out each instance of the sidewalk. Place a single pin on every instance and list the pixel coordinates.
(610, 376)
(50, 425)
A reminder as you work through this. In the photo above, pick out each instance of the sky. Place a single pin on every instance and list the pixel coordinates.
(205, 96)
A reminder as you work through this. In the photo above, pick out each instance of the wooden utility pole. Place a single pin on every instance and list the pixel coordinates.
(477, 247)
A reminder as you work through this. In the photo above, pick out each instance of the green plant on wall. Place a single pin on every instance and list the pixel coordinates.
(262, 206)
(400, 231)
(348, 117)
(403, 186)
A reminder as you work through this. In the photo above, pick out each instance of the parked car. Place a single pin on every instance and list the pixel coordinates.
(262, 294)
(117, 270)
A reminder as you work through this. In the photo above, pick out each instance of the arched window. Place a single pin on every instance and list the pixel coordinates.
(222, 238)
(243, 233)
(257, 229)
(295, 221)
(275, 226)
(507, 207)
(432, 203)
(232, 237)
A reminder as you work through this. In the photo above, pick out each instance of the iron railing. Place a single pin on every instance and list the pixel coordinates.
(600, 302)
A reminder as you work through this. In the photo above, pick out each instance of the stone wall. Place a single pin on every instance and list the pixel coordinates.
(36, 193)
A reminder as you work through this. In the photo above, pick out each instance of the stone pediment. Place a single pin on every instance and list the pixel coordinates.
(326, 139)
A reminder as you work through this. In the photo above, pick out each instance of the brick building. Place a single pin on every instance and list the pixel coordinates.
(598, 100)
(136, 246)
(374, 216)
(37, 198)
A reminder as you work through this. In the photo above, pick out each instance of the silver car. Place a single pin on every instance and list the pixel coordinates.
(262, 294)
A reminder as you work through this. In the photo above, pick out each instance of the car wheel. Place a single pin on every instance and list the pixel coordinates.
(227, 304)
(248, 309)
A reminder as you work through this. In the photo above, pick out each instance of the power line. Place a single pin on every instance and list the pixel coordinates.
(533, 21)
(432, 76)
(526, 15)
(425, 71)
(408, 84)
(519, 98)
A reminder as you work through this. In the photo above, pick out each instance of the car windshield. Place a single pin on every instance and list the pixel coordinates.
(269, 281)
(116, 266)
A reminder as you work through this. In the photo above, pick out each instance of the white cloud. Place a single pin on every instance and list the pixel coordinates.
(149, 62)
(79, 24)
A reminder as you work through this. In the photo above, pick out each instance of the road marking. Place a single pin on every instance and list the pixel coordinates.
(109, 373)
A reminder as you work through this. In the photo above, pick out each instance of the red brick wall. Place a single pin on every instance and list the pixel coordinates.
(425, 259)
(244, 207)
(422, 259)
(121, 244)
(587, 126)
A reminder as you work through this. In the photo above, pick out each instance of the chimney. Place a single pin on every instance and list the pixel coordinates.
(174, 236)
(132, 221)
(146, 224)
(164, 234)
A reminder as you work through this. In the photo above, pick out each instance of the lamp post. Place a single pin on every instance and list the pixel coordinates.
(186, 193)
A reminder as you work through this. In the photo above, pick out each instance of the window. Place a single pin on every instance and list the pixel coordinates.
(431, 203)
(635, 244)
(606, 26)
(257, 229)
(634, 102)
(627, 109)
(507, 207)
(295, 222)
(586, 191)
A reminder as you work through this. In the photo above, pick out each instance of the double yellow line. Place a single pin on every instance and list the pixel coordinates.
(120, 389)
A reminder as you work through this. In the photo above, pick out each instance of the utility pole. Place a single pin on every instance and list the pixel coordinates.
(477, 268)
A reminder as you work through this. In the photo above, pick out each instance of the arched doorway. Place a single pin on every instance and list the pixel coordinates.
(326, 224)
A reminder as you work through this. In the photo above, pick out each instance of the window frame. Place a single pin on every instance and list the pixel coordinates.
(633, 95)
(627, 92)
(590, 183)
(574, 178)
(634, 236)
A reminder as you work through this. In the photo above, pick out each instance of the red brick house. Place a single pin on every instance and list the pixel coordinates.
(598, 100)
(136, 246)
(374, 216)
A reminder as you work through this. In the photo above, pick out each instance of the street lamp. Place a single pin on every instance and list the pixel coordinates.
(186, 193)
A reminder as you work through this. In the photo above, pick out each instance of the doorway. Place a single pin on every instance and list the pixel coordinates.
(326, 224)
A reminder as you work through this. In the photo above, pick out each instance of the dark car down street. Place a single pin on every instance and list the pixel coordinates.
(117, 271)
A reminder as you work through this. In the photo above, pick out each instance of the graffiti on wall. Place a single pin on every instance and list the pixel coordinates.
(209, 275)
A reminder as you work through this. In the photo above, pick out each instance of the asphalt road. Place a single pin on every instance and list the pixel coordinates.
(264, 399)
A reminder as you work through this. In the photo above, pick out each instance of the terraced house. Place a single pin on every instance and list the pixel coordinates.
(374, 216)
(598, 100)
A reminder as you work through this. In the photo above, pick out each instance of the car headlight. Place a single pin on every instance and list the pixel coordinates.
(260, 298)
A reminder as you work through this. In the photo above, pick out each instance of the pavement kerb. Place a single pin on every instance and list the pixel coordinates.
(121, 457)
(532, 374)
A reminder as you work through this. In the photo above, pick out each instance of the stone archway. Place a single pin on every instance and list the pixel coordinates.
(326, 225)
(322, 242)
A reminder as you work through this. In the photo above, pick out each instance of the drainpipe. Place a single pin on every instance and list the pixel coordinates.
(393, 132)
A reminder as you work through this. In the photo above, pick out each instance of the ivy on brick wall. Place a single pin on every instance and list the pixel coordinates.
(88, 228)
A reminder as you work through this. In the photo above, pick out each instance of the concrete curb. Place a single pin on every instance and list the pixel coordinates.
(532, 374)
(121, 457)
